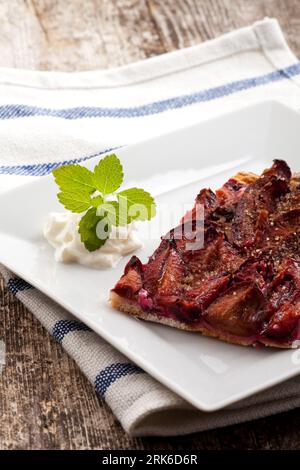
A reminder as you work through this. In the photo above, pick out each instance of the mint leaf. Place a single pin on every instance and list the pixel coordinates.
(73, 178)
(88, 230)
(96, 201)
(108, 174)
(75, 201)
(138, 204)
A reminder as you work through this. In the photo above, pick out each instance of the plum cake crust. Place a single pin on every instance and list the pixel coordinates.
(243, 285)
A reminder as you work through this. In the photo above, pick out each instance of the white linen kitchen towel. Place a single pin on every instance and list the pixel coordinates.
(49, 118)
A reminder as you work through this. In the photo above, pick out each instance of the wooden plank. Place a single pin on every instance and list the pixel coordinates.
(45, 401)
(48, 35)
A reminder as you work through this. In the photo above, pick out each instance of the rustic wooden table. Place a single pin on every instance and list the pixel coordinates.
(45, 401)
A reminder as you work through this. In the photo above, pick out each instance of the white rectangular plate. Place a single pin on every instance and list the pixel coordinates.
(206, 372)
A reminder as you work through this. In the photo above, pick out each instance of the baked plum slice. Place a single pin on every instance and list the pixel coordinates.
(284, 303)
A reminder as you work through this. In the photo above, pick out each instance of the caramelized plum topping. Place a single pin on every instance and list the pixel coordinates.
(245, 280)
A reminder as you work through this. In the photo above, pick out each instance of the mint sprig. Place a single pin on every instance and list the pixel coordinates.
(94, 194)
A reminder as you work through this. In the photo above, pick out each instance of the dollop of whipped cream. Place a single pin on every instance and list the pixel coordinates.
(61, 231)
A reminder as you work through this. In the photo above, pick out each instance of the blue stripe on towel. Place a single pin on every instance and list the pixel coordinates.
(112, 373)
(16, 285)
(41, 169)
(13, 111)
(63, 327)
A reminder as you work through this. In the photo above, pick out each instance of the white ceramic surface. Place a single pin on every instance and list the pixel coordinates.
(208, 373)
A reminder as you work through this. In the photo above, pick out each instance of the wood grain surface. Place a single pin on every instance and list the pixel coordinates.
(45, 401)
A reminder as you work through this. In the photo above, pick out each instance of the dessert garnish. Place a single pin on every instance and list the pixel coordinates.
(94, 194)
(101, 222)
